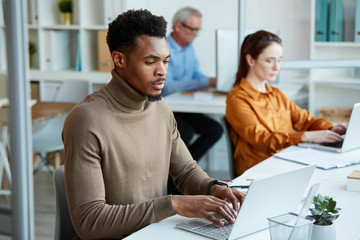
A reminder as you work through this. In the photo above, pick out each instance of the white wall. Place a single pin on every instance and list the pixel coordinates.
(216, 14)
(292, 18)
(292, 21)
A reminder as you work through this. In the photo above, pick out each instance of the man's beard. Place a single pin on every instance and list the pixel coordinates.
(154, 98)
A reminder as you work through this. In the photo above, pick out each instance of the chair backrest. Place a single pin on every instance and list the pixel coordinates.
(230, 147)
(47, 135)
(6, 221)
(47, 138)
(63, 225)
(73, 90)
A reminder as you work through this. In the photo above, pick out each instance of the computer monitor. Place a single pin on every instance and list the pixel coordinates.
(226, 58)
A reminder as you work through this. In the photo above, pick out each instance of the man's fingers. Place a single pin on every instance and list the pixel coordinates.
(240, 196)
(203, 206)
(222, 208)
(229, 213)
(226, 212)
(235, 204)
(214, 219)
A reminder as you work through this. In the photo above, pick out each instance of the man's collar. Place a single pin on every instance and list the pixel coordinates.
(174, 45)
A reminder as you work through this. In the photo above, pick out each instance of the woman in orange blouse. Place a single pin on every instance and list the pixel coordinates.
(263, 119)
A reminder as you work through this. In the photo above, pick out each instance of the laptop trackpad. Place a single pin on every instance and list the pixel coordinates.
(193, 223)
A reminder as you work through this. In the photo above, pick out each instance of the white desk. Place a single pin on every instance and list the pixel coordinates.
(180, 102)
(333, 183)
(185, 102)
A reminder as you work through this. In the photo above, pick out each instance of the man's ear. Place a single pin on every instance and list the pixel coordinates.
(177, 27)
(118, 59)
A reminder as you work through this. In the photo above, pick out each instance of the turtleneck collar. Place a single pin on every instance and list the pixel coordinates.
(126, 95)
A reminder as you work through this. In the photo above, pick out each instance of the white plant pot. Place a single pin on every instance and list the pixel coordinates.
(320, 232)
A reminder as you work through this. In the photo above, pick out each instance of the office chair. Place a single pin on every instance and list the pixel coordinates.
(64, 228)
(47, 137)
(6, 221)
(73, 90)
(230, 147)
(4, 162)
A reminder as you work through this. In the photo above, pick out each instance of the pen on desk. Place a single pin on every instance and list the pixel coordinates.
(239, 186)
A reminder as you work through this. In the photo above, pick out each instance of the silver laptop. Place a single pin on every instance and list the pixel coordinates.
(351, 139)
(265, 198)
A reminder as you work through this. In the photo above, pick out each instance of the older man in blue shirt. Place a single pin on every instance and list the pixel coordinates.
(183, 72)
(183, 75)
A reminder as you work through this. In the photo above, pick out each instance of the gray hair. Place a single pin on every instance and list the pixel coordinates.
(184, 14)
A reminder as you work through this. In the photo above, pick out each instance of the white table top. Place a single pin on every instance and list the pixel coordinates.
(180, 102)
(212, 102)
(333, 183)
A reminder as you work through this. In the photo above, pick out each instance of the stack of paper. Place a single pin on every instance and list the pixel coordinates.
(321, 159)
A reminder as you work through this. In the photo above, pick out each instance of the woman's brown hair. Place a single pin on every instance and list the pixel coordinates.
(253, 44)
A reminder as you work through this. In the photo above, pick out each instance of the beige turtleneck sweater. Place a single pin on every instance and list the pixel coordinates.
(119, 150)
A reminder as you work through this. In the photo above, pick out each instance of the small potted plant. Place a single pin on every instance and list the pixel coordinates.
(65, 7)
(32, 51)
(324, 213)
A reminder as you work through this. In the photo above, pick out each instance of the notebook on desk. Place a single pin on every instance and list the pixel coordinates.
(322, 159)
(351, 139)
(265, 198)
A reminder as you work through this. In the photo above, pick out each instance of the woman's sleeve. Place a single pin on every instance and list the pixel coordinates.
(250, 126)
(303, 120)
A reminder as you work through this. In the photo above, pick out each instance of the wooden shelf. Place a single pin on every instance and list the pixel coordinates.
(61, 27)
(340, 80)
(337, 44)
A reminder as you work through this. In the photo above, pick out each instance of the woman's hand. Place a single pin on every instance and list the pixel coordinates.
(322, 136)
(340, 128)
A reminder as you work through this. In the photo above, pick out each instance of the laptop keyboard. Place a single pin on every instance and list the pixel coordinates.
(334, 144)
(215, 230)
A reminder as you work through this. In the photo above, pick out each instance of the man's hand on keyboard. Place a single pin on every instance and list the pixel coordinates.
(201, 206)
(230, 195)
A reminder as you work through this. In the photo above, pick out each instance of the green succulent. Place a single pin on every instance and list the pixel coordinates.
(65, 6)
(325, 210)
(32, 48)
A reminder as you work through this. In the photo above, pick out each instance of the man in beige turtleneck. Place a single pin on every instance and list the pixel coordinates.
(121, 143)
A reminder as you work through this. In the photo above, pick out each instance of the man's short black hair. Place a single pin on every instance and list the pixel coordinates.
(124, 30)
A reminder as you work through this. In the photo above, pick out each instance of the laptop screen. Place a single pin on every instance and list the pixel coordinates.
(270, 197)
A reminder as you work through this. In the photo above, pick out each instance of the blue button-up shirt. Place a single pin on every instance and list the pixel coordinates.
(183, 72)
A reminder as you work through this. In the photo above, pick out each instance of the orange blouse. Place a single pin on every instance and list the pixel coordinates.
(264, 123)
